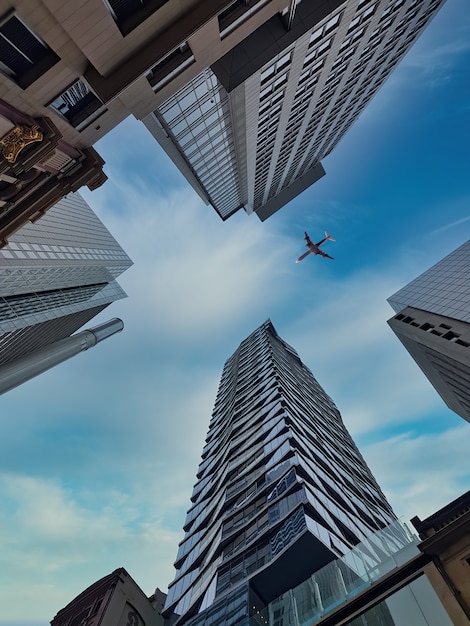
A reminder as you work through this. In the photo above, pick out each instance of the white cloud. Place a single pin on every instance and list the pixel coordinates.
(193, 273)
(421, 473)
(132, 414)
(69, 541)
(348, 326)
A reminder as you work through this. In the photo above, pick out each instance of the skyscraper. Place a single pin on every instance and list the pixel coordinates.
(246, 96)
(69, 73)
(282, 489)
(433, 323)
(250, 131)
(55, 276)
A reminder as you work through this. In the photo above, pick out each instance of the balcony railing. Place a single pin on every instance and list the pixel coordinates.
(344, 578)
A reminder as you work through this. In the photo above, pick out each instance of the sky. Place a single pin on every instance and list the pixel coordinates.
(98, 456)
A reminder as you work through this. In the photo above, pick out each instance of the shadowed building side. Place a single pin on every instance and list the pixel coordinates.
(433, 323)
(114, 600)
(445, 538)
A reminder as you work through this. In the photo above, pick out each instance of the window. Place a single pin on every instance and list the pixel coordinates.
(332, 23)
(171, 65)
(315, 37)
(77, 104)
(236, 13)
(23, 56)
(426, 327)
(277, 68)
(128, 14)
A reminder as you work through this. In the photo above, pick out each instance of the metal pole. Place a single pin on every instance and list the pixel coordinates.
(26, 367)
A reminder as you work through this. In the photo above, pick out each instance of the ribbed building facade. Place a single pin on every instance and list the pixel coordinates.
(250, 131)
(433, 323)
(55, 276)
(281, 490)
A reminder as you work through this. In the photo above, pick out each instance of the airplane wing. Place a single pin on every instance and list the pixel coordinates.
(324, 254)
(302, 257)
(307, 239)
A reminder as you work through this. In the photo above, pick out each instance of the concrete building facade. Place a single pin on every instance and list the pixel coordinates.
(282, 490)
(114, 600)
(433, 323)
(445, 539)
(70, 73)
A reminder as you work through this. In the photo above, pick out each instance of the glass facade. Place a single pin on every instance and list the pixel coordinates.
(272, 129)
(433, 323)
(345, 578)
(198, 120)
(443, 289)
(56, 275)
(281, 491)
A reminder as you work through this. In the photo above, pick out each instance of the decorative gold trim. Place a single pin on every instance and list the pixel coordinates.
(18, 138)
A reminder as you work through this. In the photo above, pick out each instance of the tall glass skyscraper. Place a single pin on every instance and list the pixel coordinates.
(55, 276)
(250, 130)
(433, 323)
(281, 490)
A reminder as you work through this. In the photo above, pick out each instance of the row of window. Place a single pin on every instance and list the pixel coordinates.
(237, 518)
(221, 445)
(272, 82)
(24, 57)
(442, 330)
(197, 118)
(36, 250)
(12, 307)
(241, 567)
(348, 49)
(329, 440)
(319, 43)
(229, 610)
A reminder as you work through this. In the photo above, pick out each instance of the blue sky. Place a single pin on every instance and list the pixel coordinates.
(98, 456)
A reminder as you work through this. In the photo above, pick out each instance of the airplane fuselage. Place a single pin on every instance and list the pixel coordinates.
(314, 248)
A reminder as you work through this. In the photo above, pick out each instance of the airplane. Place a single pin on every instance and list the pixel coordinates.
(314, 248)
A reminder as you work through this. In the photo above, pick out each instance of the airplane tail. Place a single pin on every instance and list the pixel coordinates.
(329, 237)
